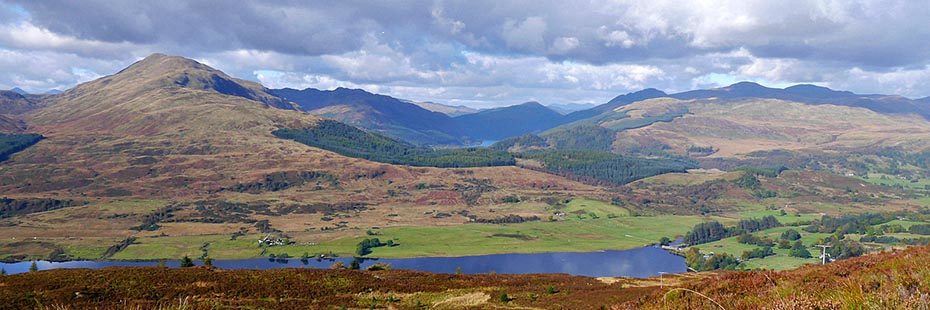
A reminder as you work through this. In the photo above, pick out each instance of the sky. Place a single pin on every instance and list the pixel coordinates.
(481, 53)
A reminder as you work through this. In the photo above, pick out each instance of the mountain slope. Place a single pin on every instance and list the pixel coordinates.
(139, 133)
(499, 123)
(450, 110)
(812, 94)
(381, 113)
(616, 102)
(566, 108)
(11, 125)
(12, 102)
(163, 126)
(736, 127)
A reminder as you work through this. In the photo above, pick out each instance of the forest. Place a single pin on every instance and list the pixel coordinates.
(12, 143)
(353, 142)
(603, 167)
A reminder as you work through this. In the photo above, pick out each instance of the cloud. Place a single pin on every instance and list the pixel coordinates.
(482, 52)
(526, 34)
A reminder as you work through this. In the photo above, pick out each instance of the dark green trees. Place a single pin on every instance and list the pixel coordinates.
(353, 142)
(791, 235)
(12, 143)
(799, 250)
(186, 261)
(706, 232)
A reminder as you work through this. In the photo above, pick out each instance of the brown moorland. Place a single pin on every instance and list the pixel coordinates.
(890, 280)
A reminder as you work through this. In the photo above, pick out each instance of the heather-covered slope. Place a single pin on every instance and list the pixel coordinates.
(893, 280)
(148, 132)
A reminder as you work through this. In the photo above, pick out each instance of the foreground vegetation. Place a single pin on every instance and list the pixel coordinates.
(891, 280)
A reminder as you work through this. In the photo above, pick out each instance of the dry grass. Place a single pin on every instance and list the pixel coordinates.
(890, 280)
(740, 127)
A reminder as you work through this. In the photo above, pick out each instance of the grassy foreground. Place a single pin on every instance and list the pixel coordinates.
(890, 280)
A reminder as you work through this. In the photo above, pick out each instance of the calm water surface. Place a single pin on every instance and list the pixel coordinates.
(638, 262)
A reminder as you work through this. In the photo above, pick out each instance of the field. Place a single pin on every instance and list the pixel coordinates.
(891, 180)
(569, 235)
(781, 260)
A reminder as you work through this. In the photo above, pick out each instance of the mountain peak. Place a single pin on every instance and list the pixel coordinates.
(19, 91)
(533, 104)
(746, 85)
(814, 91)
(166, 71)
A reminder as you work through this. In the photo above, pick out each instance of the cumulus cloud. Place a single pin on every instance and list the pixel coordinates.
(481, 52)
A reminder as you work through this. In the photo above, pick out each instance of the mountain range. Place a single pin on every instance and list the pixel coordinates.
(168, 126)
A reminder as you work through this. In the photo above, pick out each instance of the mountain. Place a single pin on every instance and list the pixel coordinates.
(165, 125)
(12, 102)
(450, 110)
(812, 94)
(11, 125)
(385, 114)
(53, 92)
(617, 102)
(566, 108)
(170, 127)
(19, 91)
(499, 123)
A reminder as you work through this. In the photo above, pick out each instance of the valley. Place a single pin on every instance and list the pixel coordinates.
(170, 158)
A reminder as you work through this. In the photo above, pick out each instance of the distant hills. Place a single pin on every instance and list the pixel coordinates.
(566, 108)
(450, 110)
(12, 102)
(385, 114)
(430, 123)
(499, 123)
(811, 94)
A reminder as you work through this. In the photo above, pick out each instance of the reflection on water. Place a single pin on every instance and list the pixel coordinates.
(639, 262)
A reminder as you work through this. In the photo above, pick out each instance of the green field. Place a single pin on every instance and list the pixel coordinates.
(586, 207)
(749, 212)
(780, 261)
(891, 180)
(572, 234)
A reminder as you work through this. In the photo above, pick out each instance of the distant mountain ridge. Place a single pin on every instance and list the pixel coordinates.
(12, 102)
(617, 102)
(499, 123)
(389, 115)
(450, 110)
(812, 94)
(566, 108)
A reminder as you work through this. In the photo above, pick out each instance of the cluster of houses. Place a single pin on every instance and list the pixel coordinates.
(271, 241)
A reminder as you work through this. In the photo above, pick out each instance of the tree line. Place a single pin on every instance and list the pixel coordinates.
(605, 167)
(13, 143)
(712, 231)
(353, 142)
